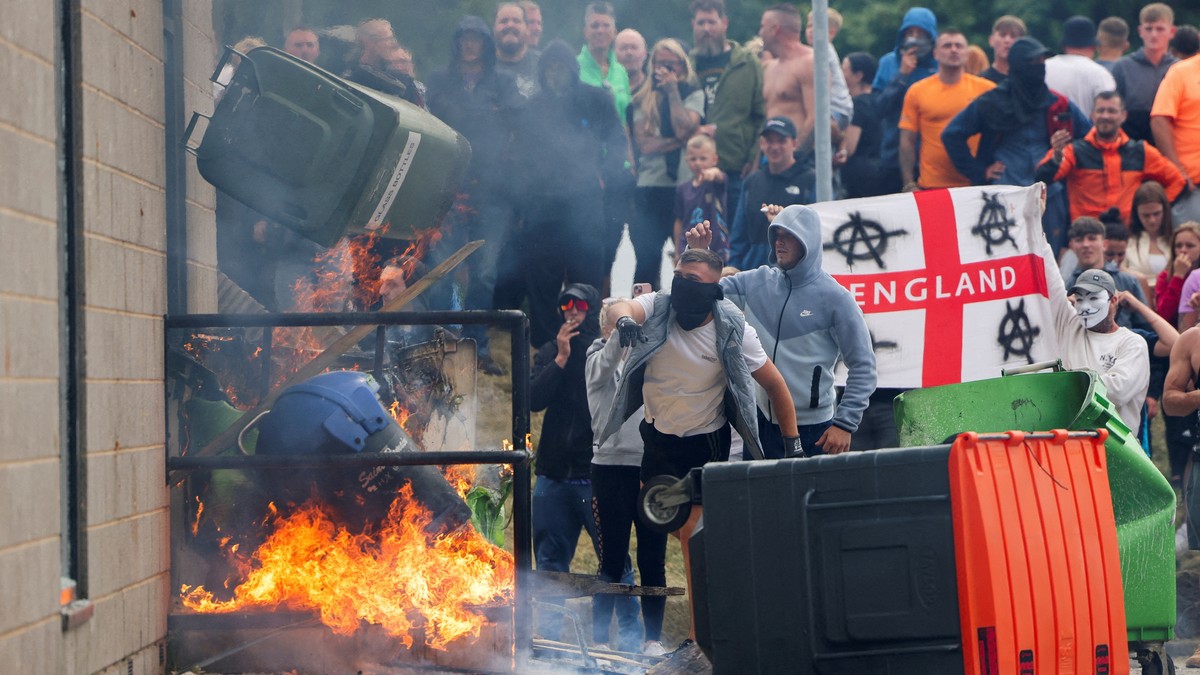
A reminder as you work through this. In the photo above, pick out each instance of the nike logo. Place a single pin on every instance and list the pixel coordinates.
(806, 313)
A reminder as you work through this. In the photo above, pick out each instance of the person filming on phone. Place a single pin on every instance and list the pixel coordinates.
(1017, 122)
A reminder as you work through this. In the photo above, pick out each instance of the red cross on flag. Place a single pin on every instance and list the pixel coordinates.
(951, 281)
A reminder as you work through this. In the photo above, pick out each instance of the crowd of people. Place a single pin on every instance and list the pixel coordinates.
(709, 144)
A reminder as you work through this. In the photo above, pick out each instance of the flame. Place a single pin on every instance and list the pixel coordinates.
(461, 477)
(199, 512)
(349, 276)
(399, 414)
(399, 578)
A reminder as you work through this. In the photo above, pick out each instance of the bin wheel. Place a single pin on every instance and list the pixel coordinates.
(656, 515)
(1155, 661)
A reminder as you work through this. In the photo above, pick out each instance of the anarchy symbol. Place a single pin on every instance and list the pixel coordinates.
(1017, 333)
(867, 233)
(994, 223)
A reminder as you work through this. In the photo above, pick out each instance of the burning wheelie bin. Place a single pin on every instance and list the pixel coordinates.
(1143, 501)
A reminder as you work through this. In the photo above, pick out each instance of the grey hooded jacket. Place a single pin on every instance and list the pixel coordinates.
(739, 391)
(806, 321)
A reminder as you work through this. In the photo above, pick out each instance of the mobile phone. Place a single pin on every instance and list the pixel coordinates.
(642, 289)
(1062, 121)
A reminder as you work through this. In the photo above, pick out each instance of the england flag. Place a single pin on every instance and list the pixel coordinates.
(952, 282)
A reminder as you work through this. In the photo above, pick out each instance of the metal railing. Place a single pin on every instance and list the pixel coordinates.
(516, 324)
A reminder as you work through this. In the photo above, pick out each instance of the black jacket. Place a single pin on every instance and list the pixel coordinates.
(564, 450)
(567, 144)
(792, 186)
(484, 114)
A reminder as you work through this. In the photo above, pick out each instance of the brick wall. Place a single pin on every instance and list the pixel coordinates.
(124, 242)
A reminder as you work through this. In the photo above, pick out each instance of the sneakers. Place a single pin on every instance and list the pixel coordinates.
(488, 366)
(653, 648)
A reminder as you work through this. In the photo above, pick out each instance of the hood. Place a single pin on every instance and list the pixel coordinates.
(474, 24)
(590, 328)
(559, 52)
(921, 18)
(805, 225)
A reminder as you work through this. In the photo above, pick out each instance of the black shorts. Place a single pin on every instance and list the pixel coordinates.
(670, 455)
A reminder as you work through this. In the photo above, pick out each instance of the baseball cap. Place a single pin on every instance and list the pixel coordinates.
(1079, 31)
(780, 125)
(1026, 49)
(1095, 281)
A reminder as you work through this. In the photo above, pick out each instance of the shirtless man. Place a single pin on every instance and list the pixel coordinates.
(1182, 397)
(788, 79)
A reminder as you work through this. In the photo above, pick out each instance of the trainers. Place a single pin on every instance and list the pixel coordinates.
(488, 366)
(653, 648)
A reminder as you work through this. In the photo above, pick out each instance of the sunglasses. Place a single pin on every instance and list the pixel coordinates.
(575, 303)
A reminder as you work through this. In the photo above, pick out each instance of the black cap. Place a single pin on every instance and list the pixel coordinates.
(1025, 50)
(780, 125)
(1079, 31)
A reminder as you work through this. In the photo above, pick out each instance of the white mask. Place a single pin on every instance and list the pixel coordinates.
(1092, 307)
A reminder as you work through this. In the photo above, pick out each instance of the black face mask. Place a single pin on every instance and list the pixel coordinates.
(693, 301)
(1030, 75)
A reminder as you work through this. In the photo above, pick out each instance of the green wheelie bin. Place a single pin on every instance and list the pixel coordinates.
(326, 157)
(1143, 501)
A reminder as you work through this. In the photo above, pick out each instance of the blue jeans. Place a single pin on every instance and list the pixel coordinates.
(561, 509)
(494, 225)
(772, 438)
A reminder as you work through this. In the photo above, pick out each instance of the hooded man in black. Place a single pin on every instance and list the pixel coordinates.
(481, 104)
(1017, 123)
(569, 145)
(562, 497)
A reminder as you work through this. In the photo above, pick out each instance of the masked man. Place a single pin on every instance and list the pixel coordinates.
(693, 364)
(1089, 338)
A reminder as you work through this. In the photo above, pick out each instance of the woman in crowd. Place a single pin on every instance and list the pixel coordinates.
(1149, 232)
(666, 112)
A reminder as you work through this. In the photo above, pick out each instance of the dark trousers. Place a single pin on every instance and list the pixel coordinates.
(560, 242)
(1181, 441)
(561, 510)
(653, 223)
(618, 211)
(614, 499)
(772, 438)
(493, 223)
(878, 427)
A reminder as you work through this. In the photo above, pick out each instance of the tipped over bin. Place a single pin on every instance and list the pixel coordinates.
(1143, 501)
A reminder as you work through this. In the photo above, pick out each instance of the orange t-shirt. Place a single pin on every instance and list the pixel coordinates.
(929, 106)
(1179, 98)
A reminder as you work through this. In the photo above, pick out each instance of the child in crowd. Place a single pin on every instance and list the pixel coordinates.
(703, 197)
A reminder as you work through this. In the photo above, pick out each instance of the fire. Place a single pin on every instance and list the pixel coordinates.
(199, 512)
(349, 276)
(399, 578)
(399, 414)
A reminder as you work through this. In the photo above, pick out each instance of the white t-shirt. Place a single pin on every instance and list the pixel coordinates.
(1120, 358)
(1079, 79)
(684, 387)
